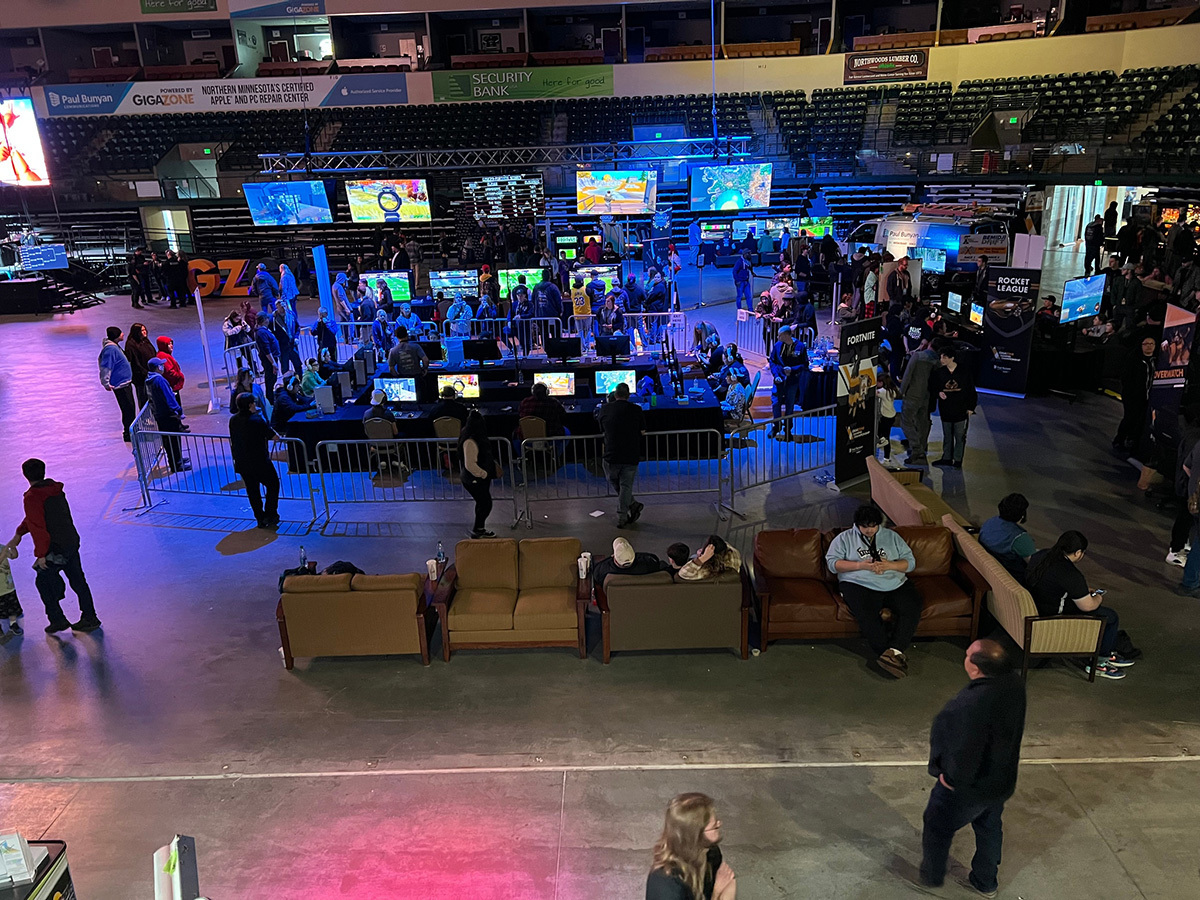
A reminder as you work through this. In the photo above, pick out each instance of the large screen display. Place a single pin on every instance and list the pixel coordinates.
(454, 281)
(716, 188)
(464, 385)
(610, 275)
(398, 283)
(43, 257)
(288, 202)
(508, 279)
(22, 161)
(622, 193)
(398, 390)
(933, 259)
(505, 196)
(1081, 298)
(393, 200)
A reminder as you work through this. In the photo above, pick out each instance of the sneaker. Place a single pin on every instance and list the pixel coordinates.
(635, 511)
(1104, 670)
(476, 535)
(970, 885)
(85, 625)
(1177, 558)
(883, 442)
(893, 664)
(1116, 659)
(54, 628)
(15, 628)
(1187, 548)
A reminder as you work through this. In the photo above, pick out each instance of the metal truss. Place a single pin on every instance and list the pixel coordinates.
(674, 150)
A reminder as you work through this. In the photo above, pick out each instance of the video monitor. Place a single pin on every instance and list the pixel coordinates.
(564, 348)
(714, 231)
(466, 386)
(976, 314)
(288, 202)
(560, 384)
(613, 345)
(717, 188)
(481, 349)
(22, 160)
(621, 193)
(508, 279)
(933, 259)
(567, 252)
(390, 200)
(43, 257)
(398, 282)
(741, 228)
(434, 350)
(505, 196)
(452, 282)
(816, 226)
(1081, 298)
(954, 302)
(398, 390)
(607, 381)
(610, 275)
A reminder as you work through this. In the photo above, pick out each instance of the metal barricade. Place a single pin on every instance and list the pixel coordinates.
(243, 355)
(755, 334)
(572, 467)
(404, 470)
(648, 329)
(757, 458)
(527, 332)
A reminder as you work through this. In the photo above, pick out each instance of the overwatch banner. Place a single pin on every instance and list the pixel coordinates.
(1008, 329)
(1171, 374)
(856, 399)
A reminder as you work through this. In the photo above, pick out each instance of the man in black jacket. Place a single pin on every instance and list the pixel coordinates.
(624, 425)
(952, 391)
(1093, 243)
(974, 750)
(248, 437)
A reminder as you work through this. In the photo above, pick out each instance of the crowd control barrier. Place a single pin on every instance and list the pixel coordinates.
(757, 458)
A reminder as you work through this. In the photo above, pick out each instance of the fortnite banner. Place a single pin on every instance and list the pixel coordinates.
(1008, 329)
(157, 97)
(856, 399)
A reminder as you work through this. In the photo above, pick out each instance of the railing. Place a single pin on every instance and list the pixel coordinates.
(757, 456)
(572, 467)
(538, 329)
(409, 470)
(307, 347)
(648, 327)
(758, 334)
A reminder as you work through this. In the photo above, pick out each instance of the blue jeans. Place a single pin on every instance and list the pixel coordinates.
(1191, 571)
(944, 815)
(743, 290)
(1112, 624)
(954, 440)
(621, 477)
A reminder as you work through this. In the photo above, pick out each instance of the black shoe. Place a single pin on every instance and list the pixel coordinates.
(273, 522)
(85, 625)
(482, 533)
(184, 466)
(943, 462)
(15, 628)
(635, 511)
(55, 627)
(957, 465)
(622, 524)
(127, 439)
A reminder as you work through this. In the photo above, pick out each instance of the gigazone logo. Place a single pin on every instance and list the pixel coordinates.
(165, 98)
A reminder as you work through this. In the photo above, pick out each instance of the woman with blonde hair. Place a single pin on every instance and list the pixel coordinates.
(687, 860)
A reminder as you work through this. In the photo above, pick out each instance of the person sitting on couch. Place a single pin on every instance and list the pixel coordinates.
(624, 561)
(871, 563)
(1004, 538)
(711, 560)
(678, 555)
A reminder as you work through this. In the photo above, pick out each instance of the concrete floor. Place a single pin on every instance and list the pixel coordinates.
(533, 774)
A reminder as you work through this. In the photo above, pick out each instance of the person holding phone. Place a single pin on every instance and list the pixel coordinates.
(1059, 589)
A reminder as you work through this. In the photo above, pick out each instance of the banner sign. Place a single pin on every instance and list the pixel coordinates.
(156, 97)
(973, 246)
(1170, 374)
(174, 7)
(1008, 318)
(522, 84)
(856, 398)
(886, 65)
(243, 9)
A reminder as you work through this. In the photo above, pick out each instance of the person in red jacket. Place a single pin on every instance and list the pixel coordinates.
(171, 370)
(55, 548)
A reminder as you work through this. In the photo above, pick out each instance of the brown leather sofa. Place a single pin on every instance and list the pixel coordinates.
(656, 612)
(798, 595)
(500, 593)
(354, 615)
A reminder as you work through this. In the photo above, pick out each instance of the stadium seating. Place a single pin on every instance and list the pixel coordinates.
(1128, 21)
(919, 108)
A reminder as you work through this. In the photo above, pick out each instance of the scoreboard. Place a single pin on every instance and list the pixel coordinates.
(41, 257)
(505, 196)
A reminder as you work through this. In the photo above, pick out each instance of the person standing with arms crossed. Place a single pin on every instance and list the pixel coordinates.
(623, 424)
(974, 751)
(249, 435)
(743, 271)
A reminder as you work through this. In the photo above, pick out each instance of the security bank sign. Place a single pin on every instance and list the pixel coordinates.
(151, 97)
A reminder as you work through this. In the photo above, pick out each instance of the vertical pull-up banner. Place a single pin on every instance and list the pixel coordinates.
(857, 358)
(1008, 329)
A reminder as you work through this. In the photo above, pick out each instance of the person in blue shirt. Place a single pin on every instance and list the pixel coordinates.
(547, 298)
(382, 336)
(343, 305)
(410, 320)
(872, 565)
(789, 370)
(596, 289)
(116, 375)
(168, 414)
(325, 333)
(458, 314)
(743, 271)
(1004, 538)
(695, 237)
(268, 354)
(520, 311)
(265, 286)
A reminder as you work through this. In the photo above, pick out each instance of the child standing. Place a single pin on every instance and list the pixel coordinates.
(10, 607)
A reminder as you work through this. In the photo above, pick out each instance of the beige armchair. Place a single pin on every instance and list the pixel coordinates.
(905, 499)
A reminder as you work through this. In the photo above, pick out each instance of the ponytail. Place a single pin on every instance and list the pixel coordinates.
(1069, 542)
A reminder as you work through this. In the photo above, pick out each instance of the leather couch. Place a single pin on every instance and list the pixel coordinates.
(354, 615)
(905, 499)
(798, 595)
(656, 612)
(500, 593)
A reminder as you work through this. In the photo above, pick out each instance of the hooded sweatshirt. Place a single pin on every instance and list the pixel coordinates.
(48, 519)
(341, 299)
(115, 371)
(171, 370)
(139, 352)
(850, 545)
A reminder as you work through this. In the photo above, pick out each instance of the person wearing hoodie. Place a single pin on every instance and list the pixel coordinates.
(382, 336)
(288, 289)
(268, 353)
(311, 379)
(168, 415)
(264, 286)
(116, 375)
(249, 444)
(237, 334)
(288, 402)
(286, 330)
(139, 351)
(410, 320)
(325, 333)
(343, 309)
(171, 370)
(55, 548)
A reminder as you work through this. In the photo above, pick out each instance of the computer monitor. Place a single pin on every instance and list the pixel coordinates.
(481, 350)
(567, 252)
(560, 384)
(433, 349)
(1082, 297)
(466, 385)
(606, 382)
(613, 345)
(977, 314)
(564, 348)
(954, 302)
(398, 390)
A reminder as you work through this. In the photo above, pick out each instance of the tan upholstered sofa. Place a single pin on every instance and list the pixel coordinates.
(354, 615)
(905, 499)
(655, 612)
(500, 593)
(1013, 607)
